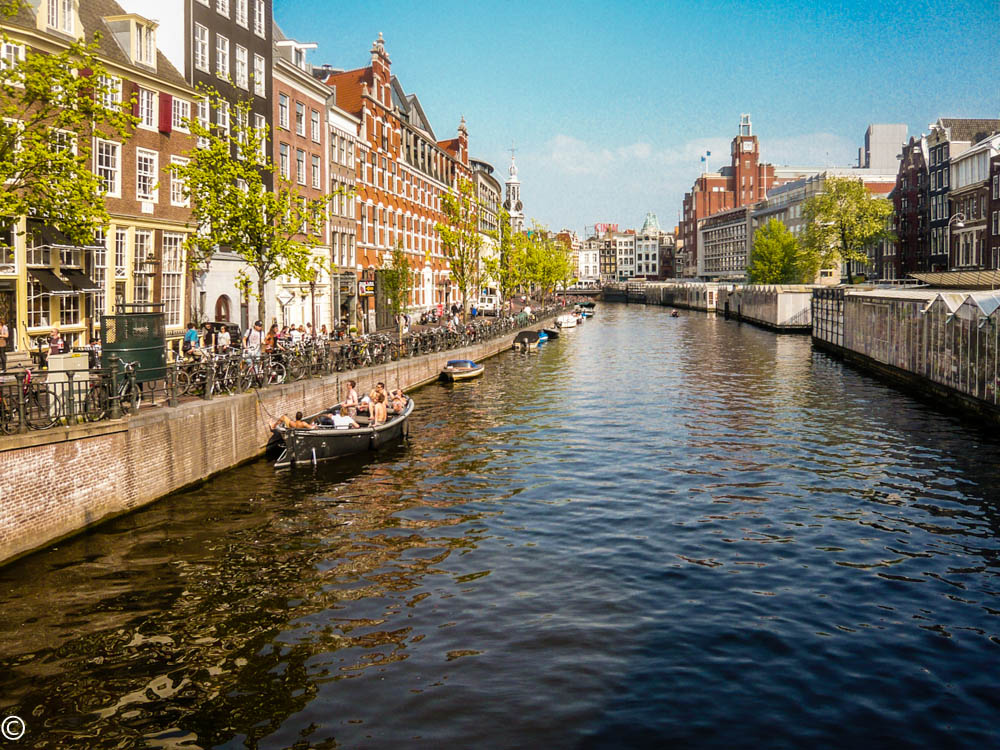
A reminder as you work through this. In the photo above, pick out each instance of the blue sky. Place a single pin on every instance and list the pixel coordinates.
(611, 104)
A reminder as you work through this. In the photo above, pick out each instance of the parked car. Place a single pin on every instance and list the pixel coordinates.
(487, 304)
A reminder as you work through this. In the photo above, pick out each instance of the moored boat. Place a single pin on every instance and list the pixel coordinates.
(324, 443)
(542, 336)
(526, 340)
(552, 333)
(566, 320)
(461, 369)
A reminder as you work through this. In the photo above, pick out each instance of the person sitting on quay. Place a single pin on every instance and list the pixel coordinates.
(293, 424)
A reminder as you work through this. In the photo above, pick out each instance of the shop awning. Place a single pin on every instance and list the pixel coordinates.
(80, 281)
(51, 283)
(49, 236)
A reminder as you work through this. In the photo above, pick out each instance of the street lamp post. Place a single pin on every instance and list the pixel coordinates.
(957, 221)
(312, 305)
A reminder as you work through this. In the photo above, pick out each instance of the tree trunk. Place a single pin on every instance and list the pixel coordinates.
(261, 300)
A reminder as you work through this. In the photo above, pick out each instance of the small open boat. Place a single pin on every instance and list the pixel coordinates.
(552, 333)
(461, 369)
(587, 303)
(567, 320)
(526, 340)
(299, 446)
(542, 336)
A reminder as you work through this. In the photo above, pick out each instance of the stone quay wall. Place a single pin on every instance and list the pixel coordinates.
(58, 482)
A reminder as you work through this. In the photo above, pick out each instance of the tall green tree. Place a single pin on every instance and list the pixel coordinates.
(273, 231)
(460, 238)
(505, 267)
(778, 258)
(397, 280)
(547, 261)
(52, 106)
(845, 222)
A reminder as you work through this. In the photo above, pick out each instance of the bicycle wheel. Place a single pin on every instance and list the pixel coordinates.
(276, 374)
(43, 410)
(248, 380)
(129, 398)
(8, 419)
(95, 405)
(296, 369)
(182, 382)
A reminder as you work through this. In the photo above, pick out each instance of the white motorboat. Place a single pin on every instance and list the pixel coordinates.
(566, 321)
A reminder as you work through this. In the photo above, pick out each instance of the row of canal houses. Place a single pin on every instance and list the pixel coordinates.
(355, 135)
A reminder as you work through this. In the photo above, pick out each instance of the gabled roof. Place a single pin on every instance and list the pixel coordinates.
(416, 116)
(92, 15)
(348, 85)
(972, 130)
(451, 146)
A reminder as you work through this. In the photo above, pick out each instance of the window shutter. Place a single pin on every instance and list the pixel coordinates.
(166, 112)
(135, 99)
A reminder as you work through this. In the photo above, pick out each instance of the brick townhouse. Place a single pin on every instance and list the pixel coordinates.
(402, 172)
(139, 256)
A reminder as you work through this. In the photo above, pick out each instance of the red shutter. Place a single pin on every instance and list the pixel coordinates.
(166, 112)
(135, 99)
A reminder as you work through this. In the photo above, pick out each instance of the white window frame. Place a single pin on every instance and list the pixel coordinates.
(142, 155)
(177, 197)
(283, 103)
(260, 126)
(284, 158)
(221, 56)
(222, 7)
(259, 21)
(148, 104)
(142, 245)
(314, 124)
(145, 45)
(111, 99)
(204, 119)
(300, 166)
(222, 119)
(300, 118)
(173, 274)
(243, 13)
(105, 173)
(242, 67)
(201, 48)
(121, 252)
(316, 171)
(180, 114)
(259, 76)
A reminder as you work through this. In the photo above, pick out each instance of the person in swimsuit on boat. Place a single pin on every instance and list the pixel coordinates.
(398, 401)
(293, 424)
(350, 402)
(379, 415)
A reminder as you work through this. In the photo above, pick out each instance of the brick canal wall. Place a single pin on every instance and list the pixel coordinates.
(58, 482)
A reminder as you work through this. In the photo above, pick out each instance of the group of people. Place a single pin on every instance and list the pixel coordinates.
(217, 339)
(379, 406)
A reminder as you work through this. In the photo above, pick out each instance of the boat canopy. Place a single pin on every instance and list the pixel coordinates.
(461, 363)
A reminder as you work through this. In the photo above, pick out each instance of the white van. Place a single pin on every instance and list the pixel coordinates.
(488, 304)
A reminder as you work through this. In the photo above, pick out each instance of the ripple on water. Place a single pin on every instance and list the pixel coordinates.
(713, 539)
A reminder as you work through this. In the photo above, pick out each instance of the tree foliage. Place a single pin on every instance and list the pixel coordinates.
(778, 258)
(845, 221)
(460, 238)
(505, 267)
(53, 107)
(397, 281)
(272, 231)
(548, 263)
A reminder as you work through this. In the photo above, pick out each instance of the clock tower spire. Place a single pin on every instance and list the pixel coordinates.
(513, 200)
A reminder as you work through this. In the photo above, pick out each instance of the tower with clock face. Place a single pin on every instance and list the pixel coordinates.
(746, 158)
(513, 200)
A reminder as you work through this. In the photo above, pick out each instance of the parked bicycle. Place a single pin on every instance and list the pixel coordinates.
(98, 403)
(42, 406)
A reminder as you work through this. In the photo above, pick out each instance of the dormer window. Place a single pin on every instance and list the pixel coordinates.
(145, 44)
(60, 15)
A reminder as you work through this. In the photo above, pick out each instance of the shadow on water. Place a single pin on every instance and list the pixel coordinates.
(655, 532)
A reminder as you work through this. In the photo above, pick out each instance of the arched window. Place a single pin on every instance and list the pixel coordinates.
(222, 308)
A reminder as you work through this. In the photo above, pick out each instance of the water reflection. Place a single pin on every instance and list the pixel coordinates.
(657, 531)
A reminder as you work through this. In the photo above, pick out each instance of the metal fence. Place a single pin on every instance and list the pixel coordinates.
(31, 403)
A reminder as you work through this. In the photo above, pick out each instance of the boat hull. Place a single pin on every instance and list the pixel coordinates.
(457, 375)
(325, 443)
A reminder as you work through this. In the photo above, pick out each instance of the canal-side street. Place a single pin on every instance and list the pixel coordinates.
(656, 532)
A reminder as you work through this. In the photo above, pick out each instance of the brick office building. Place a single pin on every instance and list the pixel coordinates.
(911, 201)
(139, 257)
(744, 181)
(402, 172)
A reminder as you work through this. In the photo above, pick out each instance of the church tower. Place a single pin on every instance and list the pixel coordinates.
(513, 201)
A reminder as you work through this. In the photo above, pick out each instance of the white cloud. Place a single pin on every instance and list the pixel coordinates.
(572, 182)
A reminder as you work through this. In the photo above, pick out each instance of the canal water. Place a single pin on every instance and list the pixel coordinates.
(656, 532)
